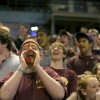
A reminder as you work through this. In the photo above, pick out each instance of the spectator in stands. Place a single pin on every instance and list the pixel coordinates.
(95, 48)
(65, 38)
(83, 29)
(83, 64)
(43, 38)
(88, 88)
(8, 60)
(58, 54)
(23, 30)
(31, 81)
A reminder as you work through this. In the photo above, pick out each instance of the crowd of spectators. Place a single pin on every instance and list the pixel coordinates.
(40, 67)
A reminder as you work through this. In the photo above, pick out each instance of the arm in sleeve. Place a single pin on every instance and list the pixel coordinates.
(72, 87)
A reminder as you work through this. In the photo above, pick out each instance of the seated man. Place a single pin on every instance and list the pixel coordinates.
(84, 62)
(30, 81)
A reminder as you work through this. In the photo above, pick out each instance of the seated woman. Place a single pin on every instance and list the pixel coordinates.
(58, 54)
(88, 88)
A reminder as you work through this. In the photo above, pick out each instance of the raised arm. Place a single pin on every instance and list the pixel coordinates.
(73, 96)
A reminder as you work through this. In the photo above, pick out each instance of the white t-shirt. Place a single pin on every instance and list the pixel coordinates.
(9, 65)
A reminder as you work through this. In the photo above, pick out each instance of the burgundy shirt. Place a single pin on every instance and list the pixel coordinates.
(31, 87)
(69, 76)
(80, 64)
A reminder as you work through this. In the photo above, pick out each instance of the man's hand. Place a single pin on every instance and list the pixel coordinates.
(37, 59)
(22, 61)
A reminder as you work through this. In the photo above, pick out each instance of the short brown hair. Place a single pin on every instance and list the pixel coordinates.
(6, 38)
(93, 30)
(23, 24)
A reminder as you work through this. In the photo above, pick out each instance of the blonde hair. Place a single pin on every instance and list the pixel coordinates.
(82, 84)
(5, 28)
(93, 30)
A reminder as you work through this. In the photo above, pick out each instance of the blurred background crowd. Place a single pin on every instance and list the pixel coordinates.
(53, 14)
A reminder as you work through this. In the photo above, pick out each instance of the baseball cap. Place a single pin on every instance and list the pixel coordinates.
(85, 35)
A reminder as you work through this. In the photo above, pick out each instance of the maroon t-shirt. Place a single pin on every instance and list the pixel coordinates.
(70, 79)
(80, 64)
(31, 87)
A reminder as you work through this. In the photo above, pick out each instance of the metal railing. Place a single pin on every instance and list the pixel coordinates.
(52, 5)
(75, 6)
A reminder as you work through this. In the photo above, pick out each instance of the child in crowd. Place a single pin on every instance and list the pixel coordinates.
(88, 88)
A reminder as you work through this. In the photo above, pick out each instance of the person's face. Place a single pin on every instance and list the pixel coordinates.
(94, 36)
(42, 39)
(64, 40)
(98, 71)
(30, 55)
(93, 86)
(84, 30)
(57, 53)
(22, 30)
(84, 45)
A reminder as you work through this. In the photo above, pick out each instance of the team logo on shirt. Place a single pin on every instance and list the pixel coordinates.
(64, 80)
(39, 84)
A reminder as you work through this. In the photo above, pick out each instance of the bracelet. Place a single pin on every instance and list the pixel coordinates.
(21, 70)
